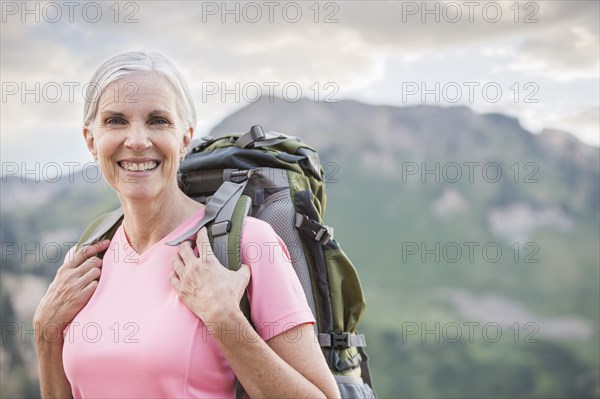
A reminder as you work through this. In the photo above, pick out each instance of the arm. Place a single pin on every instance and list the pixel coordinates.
(53, 381)
(289, 364)
(71, 289)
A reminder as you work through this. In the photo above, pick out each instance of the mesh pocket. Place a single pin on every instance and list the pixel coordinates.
(281, 215)
(354, 388)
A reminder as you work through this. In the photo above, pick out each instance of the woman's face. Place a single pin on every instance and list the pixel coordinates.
(138, 136)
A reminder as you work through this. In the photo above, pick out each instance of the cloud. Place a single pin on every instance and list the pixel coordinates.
(367, 50)
(585, 121)
(566, 55)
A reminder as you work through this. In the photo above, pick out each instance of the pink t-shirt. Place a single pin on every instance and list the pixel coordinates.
(136, 339)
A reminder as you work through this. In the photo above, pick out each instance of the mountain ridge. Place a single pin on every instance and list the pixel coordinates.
(542, 214)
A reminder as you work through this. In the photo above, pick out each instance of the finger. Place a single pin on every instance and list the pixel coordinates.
(178, 265)
(90, 275)
(90, 287)
(86, 252)
(203, 245)
(87, 265)
(245, 270)
(186, 253)
(202, 236)
(175, 281)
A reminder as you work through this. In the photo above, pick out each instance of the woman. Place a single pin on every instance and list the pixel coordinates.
(150, 320)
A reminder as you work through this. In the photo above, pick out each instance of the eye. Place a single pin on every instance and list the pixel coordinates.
(115, 121)
(159, 121)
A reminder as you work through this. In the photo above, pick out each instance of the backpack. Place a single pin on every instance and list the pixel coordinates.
(279, 179)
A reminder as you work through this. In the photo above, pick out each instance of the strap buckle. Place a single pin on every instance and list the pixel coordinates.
(323, 235)
(318, 231)
(340, 340)
(257, 133)
(238, 176)
(220, 228)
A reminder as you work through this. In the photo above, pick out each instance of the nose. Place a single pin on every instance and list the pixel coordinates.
(137, 138)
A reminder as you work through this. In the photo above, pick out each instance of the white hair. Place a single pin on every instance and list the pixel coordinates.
(132, 63)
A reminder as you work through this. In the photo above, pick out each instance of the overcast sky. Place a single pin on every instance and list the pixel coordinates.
(538, 61)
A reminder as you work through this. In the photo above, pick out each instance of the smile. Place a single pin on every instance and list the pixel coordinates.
(138, 166)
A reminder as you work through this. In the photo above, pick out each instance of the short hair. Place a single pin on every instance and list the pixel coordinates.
(131, 63)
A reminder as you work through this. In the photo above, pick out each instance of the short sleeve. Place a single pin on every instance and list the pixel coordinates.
(277, 300)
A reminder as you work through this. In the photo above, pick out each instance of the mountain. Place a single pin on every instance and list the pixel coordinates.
(461, 225)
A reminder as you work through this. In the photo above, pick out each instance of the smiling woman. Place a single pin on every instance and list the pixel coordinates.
(156, 320)
(138, 141)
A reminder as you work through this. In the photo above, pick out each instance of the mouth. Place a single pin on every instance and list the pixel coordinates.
(138, 165)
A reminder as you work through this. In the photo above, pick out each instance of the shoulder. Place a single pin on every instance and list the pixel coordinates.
(254, 229)
(259, 238)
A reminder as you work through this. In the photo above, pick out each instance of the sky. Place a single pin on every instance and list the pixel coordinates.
(536, 61)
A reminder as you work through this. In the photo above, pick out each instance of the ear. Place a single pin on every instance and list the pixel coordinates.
(89, 140)
(187, 141)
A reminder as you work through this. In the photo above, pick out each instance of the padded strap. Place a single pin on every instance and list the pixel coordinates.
(108, 221)
(342, 340)
(221, 227)
(228, 191)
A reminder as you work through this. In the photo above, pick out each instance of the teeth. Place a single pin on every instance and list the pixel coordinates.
(139, 166)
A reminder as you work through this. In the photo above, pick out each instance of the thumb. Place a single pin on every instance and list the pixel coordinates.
(245, 272)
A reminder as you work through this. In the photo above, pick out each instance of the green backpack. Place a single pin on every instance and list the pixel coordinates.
(278, 179)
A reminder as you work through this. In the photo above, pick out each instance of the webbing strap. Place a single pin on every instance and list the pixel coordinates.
(319, 232)
(272, 142)
(342, 340)
(239, 389)
(257, 138)
(247, 139)
(227, 192)
(364, 368)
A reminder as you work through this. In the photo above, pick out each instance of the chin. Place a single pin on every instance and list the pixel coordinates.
(137, 195)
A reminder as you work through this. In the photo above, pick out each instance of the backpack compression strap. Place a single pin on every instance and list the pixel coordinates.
(257, 138)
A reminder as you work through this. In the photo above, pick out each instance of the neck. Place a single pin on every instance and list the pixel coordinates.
(149, 221)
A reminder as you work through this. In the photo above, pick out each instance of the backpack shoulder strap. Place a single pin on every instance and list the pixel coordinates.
(224, 198)
(103, 227)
